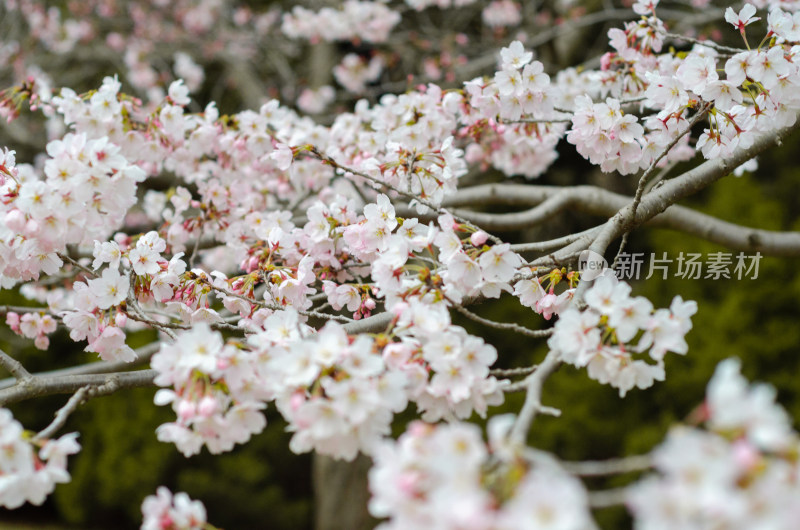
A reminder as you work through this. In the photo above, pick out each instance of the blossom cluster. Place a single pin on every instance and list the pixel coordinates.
(355, 72)
(531, 293)
(741, 471)
(216, 392)
(519, 89)
(87, 187)
(449, 368)
(165, 511)
(30, 468)
(36, 326)
(445, 476)
(615, 328)
(338, 393)
(370, 21)
(134, 36)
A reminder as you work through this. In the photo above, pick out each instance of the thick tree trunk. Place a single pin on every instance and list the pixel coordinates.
(340, 494)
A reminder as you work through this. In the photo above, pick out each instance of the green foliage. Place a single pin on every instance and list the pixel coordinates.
(261, 485)
(122, 462)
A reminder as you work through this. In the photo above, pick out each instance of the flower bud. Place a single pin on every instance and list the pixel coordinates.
(478, 238)
(207, 407)
(186, 410)
(15, 220)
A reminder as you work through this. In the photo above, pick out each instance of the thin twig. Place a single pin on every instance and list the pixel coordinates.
(305, 312)
(544, 246)
(637, 198)
(5, 309)
(533, 404)
(537, 120)
(63, 413)
(327, 159)
(597, 468)
(137, 313)
(196, 247)
(74, 263)
(538, 333)
(706, 43)
(510, 372)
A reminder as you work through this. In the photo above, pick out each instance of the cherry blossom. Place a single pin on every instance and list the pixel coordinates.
(445, 477)
(30, 468)
(580, 337)
(168, 511)
(287, 233)
(735, 472)
(743, 18)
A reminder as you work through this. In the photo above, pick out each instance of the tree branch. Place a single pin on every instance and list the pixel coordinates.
(14, 367)
(533, 403)
(143, 355)
(63, 413)
(676, 189)
(597, 201)
(599, 468)
(607, 498)
(37, 386)
(508, 326)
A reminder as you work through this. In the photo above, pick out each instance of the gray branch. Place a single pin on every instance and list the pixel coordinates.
(680, 187)
(143, 355)
(63, 413)
(100, 384)
(597, 201)
(596, 468)
(14, 367)
(533, 404)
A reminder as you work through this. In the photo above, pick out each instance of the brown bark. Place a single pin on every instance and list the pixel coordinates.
(341, 494)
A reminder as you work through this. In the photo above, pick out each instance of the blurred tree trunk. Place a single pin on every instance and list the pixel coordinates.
(341, 494)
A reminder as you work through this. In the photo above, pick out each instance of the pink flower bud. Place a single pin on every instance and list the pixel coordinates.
(605, 61)
(42, 342)
(166, 521)
(120, 320)
(12, 320)
(122, 239)
(296, 401)
(208, 406)
(369, 303)
(115, 41)
(399, 307)
(31, 228)
(745, 454)
(186, 410)
(15, 220)
(478, 238)
(407, 483)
